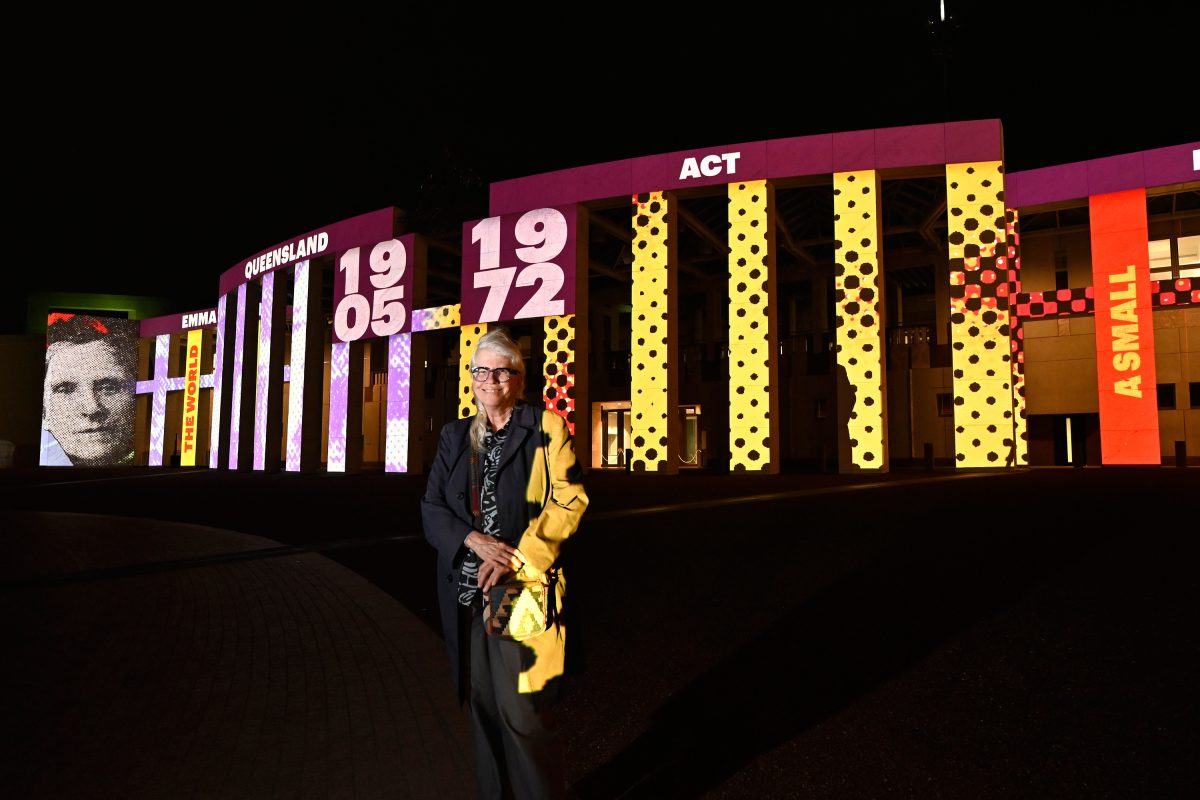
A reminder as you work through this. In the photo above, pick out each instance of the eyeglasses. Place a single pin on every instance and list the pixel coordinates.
(503, 374)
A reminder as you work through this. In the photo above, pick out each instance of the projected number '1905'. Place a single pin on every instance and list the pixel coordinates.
(378, 305)
(519, 266)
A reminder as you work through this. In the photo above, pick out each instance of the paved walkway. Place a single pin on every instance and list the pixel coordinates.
(269, 677)
(940, 634)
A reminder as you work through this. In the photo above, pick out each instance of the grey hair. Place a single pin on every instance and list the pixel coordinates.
(499, 342)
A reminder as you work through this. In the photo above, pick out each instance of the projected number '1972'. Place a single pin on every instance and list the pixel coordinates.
(519, 266)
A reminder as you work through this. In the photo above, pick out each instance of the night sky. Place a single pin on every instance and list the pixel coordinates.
(154, 165)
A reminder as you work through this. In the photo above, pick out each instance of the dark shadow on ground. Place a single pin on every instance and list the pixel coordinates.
(823, 656)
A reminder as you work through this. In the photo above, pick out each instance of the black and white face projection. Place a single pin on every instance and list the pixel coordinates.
(88, 392)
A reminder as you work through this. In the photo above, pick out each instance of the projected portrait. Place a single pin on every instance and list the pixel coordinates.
(88, 392)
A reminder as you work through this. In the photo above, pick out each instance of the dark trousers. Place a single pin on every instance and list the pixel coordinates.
(513, 735)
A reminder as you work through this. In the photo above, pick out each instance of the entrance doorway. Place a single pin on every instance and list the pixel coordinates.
(615, 436)
(612, 435)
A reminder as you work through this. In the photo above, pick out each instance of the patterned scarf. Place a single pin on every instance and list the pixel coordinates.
(489, 512)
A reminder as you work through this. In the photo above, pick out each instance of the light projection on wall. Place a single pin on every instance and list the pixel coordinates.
(653, 400)
(300, 333)
(262, 378)
(437, 318)
(1125, 367)
(89, 390)
(235, 377)
(859, 292)
(1057, 303)
(339, 394)
(214, 439)
(372, 290)
(468, 339)
(160, 385)
(518, 266)
(1181, 292)
(979, 315)
(558, 369)
(753, 341)
(1016, 339)
(399, 386)
(158, 403)
(189, 414)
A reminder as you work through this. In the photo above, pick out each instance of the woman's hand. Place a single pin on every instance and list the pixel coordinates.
(497, 559)
(495, 552)
(490, 575)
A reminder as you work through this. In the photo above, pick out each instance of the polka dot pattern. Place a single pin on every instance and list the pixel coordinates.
(1016, 339)
(436, 318)
(858, 300)
(653, 371)
(1179, 292)
(753, 345)
(559, 368)
(468, 338)
(979, 315)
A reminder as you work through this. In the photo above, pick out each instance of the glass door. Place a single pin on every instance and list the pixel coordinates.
(616, 436)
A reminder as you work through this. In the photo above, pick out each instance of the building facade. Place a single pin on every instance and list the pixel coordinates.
(848, 301)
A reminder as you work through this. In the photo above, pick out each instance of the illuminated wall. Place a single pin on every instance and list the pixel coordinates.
(654, 374)
(88, 392)
(468, 338)
(242, 379)
(158, 404)
(340, 363)
(1057, 303)
(858, 301)
(268, 397)
(1016, 339)
(189, 422)
(558, 367)
(1125, 367)
(219, 414)
(1181, 292)
(753, 340)
(399, 388)
(979, 316)
(438, 318)
(302, 374)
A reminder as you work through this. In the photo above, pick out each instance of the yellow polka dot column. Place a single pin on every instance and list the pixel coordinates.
(753, 339)
(653, 370)
(1016, 338)
(468, 338)
(559, 367)
(858, 273)
(979, 315)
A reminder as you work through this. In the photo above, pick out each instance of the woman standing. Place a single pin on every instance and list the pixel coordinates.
(503, 494)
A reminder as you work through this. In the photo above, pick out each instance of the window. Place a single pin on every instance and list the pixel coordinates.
(1166, 396)
(820, 408)
(1062, 276)
(1176, 257)
(1194, 394)
(945, 405)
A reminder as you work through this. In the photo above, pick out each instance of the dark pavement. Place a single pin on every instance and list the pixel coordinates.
(916, 634)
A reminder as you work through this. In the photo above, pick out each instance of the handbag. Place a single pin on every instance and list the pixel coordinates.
(521, 607)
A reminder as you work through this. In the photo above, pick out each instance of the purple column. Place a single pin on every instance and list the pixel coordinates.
(262, 384)
(296, 379)
(158, 406)
(398, 388)
(235, 378)
(214, 448)
(339, 369)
